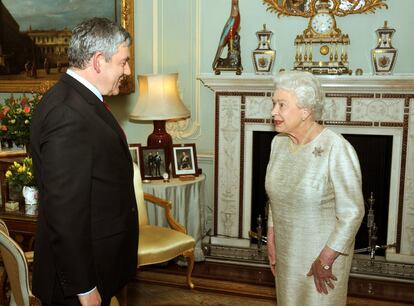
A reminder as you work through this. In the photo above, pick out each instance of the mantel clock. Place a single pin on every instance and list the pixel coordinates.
(322, 48)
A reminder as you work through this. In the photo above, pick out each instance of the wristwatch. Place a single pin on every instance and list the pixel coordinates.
(324, 266)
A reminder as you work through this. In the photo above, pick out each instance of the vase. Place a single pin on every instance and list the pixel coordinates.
(30, 194)
(264, 55)
(15, 193)
(384, 55)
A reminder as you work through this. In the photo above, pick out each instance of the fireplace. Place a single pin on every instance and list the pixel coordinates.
(375, 156)
(368, 110)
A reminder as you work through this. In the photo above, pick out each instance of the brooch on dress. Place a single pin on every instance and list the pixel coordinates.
(317, 151)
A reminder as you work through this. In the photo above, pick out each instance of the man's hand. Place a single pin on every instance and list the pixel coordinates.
(271, 249)
(91, 299)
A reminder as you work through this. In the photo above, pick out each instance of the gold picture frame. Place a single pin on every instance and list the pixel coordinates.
(128, 84)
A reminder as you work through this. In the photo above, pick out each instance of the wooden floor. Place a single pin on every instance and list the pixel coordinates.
(256, 282)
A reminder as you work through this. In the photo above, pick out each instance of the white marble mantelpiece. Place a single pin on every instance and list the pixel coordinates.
(373, 105)
(252, 82)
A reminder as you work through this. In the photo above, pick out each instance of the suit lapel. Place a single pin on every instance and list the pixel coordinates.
(99, 109)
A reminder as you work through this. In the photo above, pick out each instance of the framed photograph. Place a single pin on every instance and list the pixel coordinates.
(34, 51)
(152, 163)
(184, 160)
(134, 151)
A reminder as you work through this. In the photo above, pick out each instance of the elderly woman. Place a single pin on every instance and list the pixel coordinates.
(313, 182)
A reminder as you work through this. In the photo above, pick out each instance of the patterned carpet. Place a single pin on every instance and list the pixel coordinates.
(147, 294)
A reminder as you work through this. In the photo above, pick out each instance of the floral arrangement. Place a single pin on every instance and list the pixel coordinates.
(21, 174)
(15, 118)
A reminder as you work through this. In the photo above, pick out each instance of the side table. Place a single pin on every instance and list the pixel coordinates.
(6, 159)
(188, 205)
(22, 227)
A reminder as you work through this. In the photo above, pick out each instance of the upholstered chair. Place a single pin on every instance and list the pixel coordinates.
(156, 243)
(15, 264)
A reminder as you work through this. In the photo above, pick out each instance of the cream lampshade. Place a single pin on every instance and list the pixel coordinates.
(159, 101)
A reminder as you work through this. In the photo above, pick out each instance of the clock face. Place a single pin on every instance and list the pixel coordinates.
(322, 23)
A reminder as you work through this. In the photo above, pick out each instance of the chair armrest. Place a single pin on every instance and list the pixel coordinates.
(34, 301)
(167, 206)
(29, 257)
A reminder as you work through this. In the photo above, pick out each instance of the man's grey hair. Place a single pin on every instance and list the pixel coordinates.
(95, 35)
(305, 86)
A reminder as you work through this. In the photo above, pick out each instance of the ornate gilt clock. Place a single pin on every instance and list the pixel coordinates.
(322, 48)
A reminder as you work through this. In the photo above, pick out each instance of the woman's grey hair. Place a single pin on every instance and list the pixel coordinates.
(95, 35)
(305, 86)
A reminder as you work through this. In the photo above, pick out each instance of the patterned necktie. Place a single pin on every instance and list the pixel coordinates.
(109, 110)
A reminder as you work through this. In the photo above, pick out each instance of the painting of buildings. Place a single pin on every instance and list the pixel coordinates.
(35, 35)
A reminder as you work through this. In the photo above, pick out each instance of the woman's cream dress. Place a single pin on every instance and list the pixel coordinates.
(316, 200)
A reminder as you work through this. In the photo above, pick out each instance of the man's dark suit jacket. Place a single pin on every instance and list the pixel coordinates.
(87, 230)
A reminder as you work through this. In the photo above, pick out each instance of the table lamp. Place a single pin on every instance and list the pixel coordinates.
(159, 101)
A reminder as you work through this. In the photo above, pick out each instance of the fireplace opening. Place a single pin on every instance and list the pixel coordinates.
(374, 153)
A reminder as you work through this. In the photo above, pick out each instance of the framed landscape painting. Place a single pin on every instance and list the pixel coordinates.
(36, 35)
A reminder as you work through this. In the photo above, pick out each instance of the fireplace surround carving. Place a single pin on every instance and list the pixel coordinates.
(373, 105)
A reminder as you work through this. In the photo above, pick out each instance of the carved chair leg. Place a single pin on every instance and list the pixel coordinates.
(189, 256)
(122, 296)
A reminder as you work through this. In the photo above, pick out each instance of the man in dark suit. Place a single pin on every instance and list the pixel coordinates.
(86, 240)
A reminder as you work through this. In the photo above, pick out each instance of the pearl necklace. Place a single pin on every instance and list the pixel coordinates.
(295, 148)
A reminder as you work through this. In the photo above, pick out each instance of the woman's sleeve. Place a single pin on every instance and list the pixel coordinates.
(269, 214)
(269, 217)
(345, 176)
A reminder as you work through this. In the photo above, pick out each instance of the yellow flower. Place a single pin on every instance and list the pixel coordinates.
(29, 174)
(16, 164)
(8, 173)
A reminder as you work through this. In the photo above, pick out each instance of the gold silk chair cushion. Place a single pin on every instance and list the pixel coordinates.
(139, 195)
(158, 244)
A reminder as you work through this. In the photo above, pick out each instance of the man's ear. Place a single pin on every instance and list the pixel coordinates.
(97, 60)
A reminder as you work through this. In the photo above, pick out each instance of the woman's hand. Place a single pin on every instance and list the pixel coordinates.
(322, 275)
(271, 249)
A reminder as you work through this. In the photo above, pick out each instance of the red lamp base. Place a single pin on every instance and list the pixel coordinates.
(161, 139)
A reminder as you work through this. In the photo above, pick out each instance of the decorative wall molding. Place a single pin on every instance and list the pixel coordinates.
(188, 129)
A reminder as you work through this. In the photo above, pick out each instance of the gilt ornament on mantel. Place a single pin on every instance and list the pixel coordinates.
(322, 48)
(229, 38)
